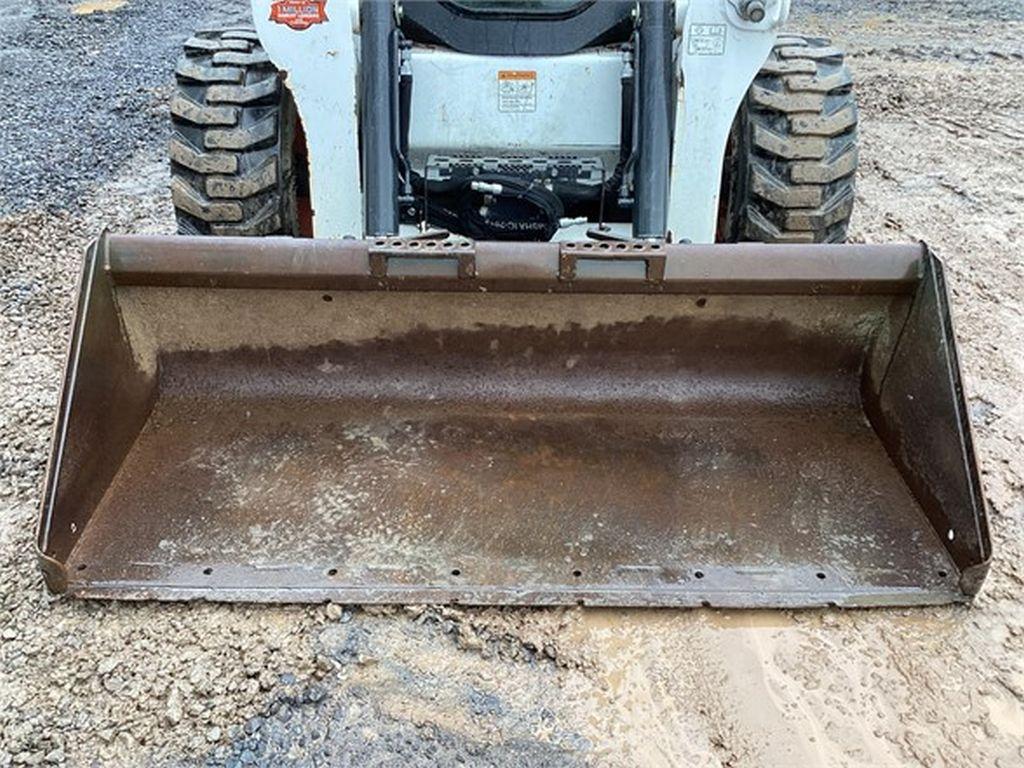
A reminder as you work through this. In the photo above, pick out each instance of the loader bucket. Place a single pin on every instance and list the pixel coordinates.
(616, 424)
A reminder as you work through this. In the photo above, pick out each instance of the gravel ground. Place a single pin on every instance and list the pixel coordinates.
(91, 90)
(111, 684)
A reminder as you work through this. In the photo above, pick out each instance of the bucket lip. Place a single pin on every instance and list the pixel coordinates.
(533, 597)
(349, 264)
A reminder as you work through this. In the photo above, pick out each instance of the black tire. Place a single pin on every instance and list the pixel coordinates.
(792, 160)
(232, 146)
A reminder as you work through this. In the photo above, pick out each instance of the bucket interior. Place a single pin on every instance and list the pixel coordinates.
(516, 448)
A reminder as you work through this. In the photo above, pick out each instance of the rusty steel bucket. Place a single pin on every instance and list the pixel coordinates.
(488, 423)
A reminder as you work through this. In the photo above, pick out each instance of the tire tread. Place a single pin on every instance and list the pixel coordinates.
(795, 156)
(230, 148)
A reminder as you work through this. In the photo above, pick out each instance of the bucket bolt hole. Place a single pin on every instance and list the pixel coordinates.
(821, 575)
(456, 572)
(577, 573)
(207, 571)
(698, 574)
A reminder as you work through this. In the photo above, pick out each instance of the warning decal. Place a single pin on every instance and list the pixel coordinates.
(707, 40)
(517, 90)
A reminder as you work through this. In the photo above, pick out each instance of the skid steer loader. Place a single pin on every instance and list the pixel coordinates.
(575, 326)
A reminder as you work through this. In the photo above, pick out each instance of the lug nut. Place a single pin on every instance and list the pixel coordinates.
(753, 10)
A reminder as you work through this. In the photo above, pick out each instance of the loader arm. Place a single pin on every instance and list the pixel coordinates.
(721, 49)
(319, 63)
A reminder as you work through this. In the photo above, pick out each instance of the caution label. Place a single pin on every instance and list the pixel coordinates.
(517, 90)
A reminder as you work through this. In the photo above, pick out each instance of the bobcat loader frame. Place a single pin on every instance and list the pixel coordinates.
(345, 73)
(610, 417)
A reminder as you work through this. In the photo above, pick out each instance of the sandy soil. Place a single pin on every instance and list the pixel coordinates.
(110, 684)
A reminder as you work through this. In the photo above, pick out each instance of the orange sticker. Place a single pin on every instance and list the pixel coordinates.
(517, 74)
(299, 14)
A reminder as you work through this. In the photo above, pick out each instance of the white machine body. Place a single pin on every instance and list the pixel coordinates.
(464, 103)
(514, 105)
